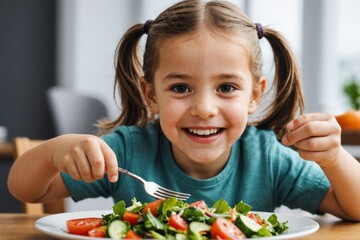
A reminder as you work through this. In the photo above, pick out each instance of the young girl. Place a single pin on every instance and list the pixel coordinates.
(184, 124)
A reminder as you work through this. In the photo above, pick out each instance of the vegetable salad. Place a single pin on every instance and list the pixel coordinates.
(174, 219)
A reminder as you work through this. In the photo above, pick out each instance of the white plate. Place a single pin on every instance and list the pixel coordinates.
(55, 225)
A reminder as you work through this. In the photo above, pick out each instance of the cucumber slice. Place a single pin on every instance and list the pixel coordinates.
(197, 229)
(117, 229)
(247, 225)
(180, 236)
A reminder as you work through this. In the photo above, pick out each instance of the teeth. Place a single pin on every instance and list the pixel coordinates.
(203, 132)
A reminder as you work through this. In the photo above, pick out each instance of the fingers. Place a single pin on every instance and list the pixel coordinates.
(95, 160)
(309, 126)
(82, 166)
(89, 159)
(317, 137)
(318, 143)
(111, 164)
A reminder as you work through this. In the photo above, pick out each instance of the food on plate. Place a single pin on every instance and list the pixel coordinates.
(174, 219)
(82, 226)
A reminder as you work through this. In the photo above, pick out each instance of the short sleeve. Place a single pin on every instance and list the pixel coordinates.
(298, 183)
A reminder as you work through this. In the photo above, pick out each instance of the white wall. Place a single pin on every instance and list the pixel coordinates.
(282, 15)
(88, 33)
(320, 56)
(348, 39)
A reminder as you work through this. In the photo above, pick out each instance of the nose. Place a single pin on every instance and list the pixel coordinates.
(204, 106)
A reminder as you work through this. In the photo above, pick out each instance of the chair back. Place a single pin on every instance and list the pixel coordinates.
(75, 112)
(23, 144)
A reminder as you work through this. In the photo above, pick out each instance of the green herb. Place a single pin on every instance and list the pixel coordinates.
(221, 206)
(243, 208)
(119, 208)
(352, 91)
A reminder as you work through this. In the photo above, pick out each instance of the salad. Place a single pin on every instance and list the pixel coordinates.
(174, 219)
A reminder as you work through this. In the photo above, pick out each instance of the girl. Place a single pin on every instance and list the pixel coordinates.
(184, 124)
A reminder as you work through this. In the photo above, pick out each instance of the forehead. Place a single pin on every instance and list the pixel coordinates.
(204, 51)
(203, 38)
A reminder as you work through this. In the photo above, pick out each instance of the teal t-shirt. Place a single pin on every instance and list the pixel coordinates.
(260, 171)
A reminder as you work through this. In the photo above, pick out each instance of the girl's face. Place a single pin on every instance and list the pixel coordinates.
(203, 92)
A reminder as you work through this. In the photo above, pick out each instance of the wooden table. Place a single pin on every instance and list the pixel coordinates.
(349, 137)
(6, 149)
(332, 228)
(21, 226)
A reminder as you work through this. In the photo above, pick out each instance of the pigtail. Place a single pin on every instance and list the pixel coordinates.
(127, 76)
(288, 100)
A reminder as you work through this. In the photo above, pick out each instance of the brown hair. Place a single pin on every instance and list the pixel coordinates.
(190, 16)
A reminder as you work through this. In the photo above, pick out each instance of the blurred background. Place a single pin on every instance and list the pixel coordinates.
(71, 44)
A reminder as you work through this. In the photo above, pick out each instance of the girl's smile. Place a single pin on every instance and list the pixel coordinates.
(203, 92)
(204, 134)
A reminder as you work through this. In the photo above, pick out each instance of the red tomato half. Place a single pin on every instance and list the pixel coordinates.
(98, 232)
(178, 222)
(82, 226)
(153, 206)
(199, 204)
(224, 229)
(131, 218)
(132, 235)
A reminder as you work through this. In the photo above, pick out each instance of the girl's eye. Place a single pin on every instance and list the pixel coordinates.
(180, 89)
(226, 88)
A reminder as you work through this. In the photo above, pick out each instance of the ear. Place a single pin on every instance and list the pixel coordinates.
(149, 95)
(257, 95)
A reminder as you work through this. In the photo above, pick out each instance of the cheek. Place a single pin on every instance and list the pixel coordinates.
(237, 117)
(170, 118)
(171, 111)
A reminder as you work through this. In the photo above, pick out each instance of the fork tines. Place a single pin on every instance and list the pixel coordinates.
(167, 193)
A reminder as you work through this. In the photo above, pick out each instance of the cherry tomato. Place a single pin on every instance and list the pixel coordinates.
(224, 229)
(199, 204)
(178, 222)
(256, 219)
(132, 235)
(82, 226)
(98, 232)
(153, 206)
(131, 218)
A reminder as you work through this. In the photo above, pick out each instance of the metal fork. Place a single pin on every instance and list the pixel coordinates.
(155, 190)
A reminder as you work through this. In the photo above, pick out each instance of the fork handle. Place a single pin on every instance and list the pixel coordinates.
(123, 171)
(127, 172)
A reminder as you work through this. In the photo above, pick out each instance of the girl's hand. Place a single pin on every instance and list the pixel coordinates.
(317, 137)
(84, 157)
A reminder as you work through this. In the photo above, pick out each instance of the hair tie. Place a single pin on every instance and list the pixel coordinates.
(260, 30)
(147, 26)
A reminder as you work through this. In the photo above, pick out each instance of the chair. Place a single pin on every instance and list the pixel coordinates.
(21, 145)
(75, 112)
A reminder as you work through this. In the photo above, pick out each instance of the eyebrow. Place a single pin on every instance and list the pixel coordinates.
(175, 75)
(237, 75)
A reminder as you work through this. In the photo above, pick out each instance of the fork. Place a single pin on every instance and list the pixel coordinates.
(154, 189)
